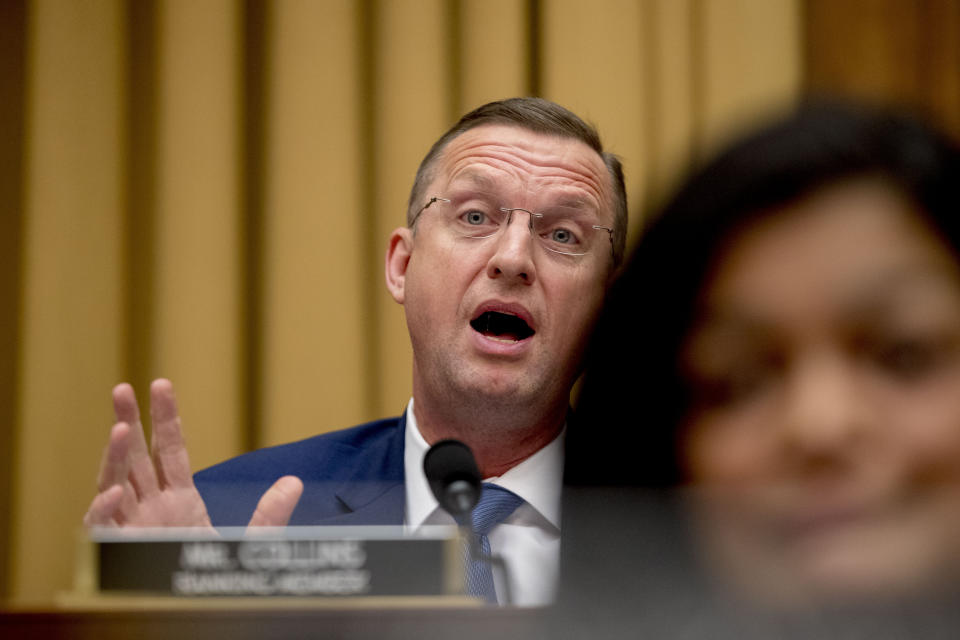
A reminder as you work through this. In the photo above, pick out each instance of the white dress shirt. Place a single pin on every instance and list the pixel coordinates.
(528, 541)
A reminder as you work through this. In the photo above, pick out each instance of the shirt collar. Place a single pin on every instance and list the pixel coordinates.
(537, 479)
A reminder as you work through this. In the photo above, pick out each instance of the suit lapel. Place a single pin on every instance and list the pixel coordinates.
(386, 508)
(383, 499)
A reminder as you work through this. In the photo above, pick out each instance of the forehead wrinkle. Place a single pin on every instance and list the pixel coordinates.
(480, 183)
(468, 161)
(474, 179)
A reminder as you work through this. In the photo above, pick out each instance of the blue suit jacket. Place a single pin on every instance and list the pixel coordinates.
(353, 476)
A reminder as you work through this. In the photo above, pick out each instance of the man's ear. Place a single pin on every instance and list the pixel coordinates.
(397, 259)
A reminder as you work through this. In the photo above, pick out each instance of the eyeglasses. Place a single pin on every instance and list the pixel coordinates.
(569, 234)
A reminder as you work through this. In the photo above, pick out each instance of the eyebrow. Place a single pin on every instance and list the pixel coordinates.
(910, 282)
(572, 203)
(867, 299)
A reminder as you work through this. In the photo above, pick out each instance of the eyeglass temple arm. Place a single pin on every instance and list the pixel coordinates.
(429, 202)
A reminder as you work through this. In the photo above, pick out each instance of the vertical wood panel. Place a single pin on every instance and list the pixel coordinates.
(863, 47)
(197, 332)
(411, 112)
(751, 61)
(141, 193)
(905, 53)
(313, 316)
(12, 85)
(494, 54)
(670, 125)
(254, 95)
(593, 63)
(939, 67)
(72, 329)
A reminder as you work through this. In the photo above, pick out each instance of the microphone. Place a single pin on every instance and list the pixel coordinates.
(453, 476)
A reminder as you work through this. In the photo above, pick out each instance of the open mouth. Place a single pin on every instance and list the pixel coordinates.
(502, 326)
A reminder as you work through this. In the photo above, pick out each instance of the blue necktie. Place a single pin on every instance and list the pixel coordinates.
(496, 504)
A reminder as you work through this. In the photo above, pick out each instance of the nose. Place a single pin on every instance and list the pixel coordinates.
(512, 258)
(825, 413)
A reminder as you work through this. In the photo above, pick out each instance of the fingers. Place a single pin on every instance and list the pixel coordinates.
(104, 507)
(277, 504)
(140, 467)
(140, 486)
(167, 445)
(126, 409)
(114, 466)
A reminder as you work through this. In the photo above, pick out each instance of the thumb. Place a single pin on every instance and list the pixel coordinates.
(277, 503)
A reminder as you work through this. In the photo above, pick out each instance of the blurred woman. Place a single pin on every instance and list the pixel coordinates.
(785, 344)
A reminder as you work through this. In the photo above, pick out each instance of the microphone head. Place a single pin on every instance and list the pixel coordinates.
(453, 475)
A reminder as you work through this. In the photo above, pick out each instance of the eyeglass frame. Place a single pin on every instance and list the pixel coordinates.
(509, 211)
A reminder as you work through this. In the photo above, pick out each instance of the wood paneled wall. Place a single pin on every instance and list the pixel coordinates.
(901, 52)
(203, 191)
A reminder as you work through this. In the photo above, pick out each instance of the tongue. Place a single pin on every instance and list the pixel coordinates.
(501, 336)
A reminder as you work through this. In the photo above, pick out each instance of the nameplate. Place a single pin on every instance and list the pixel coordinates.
(291, 561)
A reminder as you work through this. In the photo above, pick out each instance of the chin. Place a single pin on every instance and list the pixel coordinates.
(502, 391)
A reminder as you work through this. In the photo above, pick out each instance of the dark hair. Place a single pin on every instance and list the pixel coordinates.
(633, 401)
(540, 116)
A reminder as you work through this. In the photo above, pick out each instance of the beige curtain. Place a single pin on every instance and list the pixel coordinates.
(203, 191)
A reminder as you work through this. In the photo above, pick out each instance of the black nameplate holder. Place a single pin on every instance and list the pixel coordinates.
(278, 562)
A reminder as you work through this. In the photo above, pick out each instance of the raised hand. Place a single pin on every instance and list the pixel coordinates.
(153, 487)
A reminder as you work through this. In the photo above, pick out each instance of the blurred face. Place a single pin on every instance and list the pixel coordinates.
(825, 425)
(502, 321)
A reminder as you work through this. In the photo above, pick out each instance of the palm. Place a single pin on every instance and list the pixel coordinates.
(171, 507)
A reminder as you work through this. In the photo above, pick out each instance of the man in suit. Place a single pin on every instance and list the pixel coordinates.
(515, 224)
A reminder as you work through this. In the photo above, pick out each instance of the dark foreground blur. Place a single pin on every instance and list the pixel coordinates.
(632, 567)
